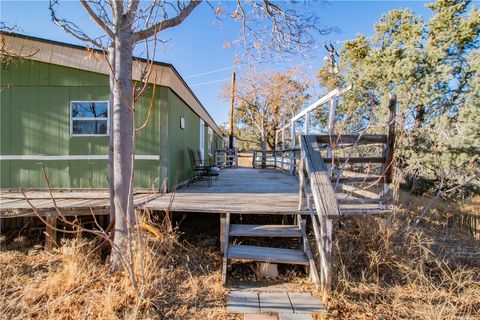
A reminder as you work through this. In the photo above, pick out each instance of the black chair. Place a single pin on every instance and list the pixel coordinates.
(200, 170)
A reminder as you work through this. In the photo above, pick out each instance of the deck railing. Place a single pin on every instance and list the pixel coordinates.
(324, 162)
(226, 158)
(325, 204)
(280, 159)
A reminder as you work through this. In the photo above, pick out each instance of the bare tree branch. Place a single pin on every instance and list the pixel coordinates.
(167, 23)
(97, 19)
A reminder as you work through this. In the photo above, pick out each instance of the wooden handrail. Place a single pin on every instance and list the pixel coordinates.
(351, 139)
(312, 166)
(321, 187)
(325, 204)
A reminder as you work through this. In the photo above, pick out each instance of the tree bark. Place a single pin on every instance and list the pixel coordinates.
(420, 116)
(111, 58)
(123, 147)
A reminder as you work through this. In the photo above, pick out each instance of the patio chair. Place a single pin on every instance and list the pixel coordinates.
(200, 170)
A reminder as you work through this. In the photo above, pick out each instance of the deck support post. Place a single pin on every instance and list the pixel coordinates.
(50, 232)
(327, 233)
(223, 222)
(226, 233)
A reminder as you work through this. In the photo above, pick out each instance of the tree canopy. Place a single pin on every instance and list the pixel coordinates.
(264, 100)
(432, 66)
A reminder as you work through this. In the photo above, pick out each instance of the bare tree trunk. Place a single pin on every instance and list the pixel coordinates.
(123, 145)
(111, 57)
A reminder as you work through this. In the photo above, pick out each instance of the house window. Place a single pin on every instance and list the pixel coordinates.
(89, 118)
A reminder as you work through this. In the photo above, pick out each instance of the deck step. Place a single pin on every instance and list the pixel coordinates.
(267, 254)
(361, 201)
(254, 230)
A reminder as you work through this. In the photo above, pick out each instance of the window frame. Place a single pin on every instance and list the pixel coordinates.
(89, 119)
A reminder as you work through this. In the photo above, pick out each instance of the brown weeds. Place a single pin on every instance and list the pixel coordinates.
(387, 269)
(179, 282)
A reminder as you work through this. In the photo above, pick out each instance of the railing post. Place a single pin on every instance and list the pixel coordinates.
(306, 125)
(236, 158)
(302, 191)
(292, 146)
(389, 147)
(275, 150)
(283, 146)
(387, 168)
(331, 115)
(331, 130)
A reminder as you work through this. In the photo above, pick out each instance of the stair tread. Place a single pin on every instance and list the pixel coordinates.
(267, 254)
(254, 230)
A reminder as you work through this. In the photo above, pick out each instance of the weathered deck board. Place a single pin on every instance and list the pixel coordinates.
(267, 254)
(252, 230)
(238, 191)
(14, 205)
(241, 190)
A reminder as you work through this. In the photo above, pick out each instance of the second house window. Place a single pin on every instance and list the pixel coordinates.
(89, 118)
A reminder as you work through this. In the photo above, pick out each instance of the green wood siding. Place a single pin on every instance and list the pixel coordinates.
(35, 107)
(179, 168)
(35, 120)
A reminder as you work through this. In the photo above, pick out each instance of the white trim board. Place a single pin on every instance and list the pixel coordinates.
(72, 157)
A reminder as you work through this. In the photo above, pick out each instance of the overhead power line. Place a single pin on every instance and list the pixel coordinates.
(208, 72)
(312, 59)
(208, 82)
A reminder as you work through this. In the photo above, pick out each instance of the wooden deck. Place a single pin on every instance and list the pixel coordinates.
(78, 203)
(236, 191)
(242, 190)
(250, 191)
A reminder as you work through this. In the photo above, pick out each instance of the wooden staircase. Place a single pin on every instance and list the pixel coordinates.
(339, 175)
(300, 256)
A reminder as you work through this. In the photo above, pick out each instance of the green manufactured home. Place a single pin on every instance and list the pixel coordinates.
(54, 112)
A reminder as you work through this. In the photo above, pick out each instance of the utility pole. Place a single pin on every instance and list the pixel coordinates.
(332, 52)
(232, 101)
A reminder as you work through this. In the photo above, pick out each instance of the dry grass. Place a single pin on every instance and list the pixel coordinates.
(179, 282)
(387, 269)
(384, 269)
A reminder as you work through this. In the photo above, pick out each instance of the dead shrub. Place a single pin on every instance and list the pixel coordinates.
(175, 281)
(387, 269)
